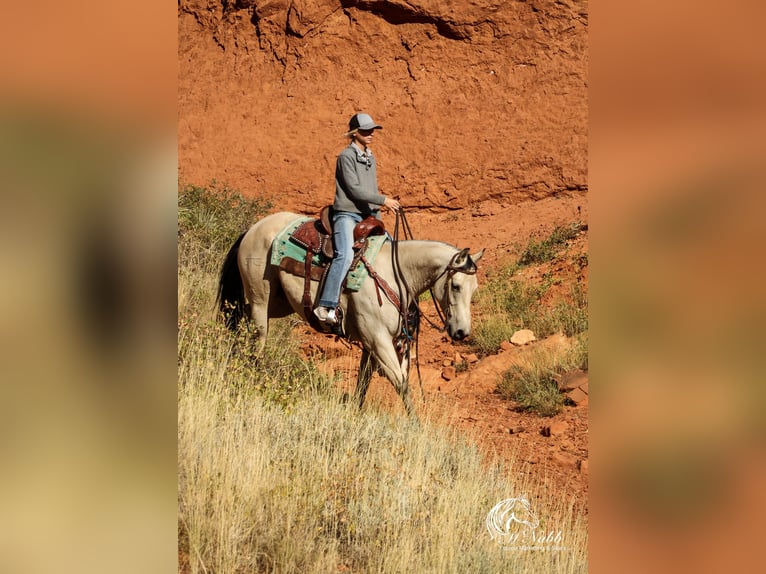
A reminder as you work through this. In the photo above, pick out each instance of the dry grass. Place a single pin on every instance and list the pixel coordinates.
(318, 486)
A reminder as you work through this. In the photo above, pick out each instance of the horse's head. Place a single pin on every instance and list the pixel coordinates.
(454, 290)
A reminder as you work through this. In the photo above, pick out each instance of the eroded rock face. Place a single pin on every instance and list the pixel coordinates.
(479, 99)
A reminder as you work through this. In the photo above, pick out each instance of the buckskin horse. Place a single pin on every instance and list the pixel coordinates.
(251, 287)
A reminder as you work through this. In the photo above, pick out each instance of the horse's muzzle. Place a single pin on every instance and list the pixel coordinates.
(458, 335)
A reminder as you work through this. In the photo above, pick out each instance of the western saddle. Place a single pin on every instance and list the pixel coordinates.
(315, 236)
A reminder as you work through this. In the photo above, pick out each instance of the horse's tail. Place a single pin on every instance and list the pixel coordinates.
(231, 293)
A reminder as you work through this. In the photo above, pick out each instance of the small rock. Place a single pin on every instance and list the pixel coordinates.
(572, 380)
(523, 337)
(582, 466)
(506, 346)
(516, 430)
(448, 373)
(446, 362)
(584, 387)
(554, 429)
(564, 459)
(472, 358)
(577, 396)
(458, 358)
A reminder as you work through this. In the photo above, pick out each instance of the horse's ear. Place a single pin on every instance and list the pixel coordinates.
(461, 258)
(477, 256)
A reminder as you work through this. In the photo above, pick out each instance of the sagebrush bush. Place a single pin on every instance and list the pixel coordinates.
(491, 331)
(533, 390)
(571, 316)
(578, 356)
(533, 384)
(517, 304)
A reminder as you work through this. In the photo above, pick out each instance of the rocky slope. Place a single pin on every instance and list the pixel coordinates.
(479, 99)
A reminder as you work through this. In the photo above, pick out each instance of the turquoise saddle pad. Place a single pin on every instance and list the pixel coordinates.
(283, 247)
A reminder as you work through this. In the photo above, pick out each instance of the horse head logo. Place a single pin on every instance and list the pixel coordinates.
(511, 520)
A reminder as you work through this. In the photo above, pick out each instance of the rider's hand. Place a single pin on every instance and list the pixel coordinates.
(392, 204)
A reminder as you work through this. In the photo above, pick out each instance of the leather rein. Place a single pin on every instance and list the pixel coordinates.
(409, 310)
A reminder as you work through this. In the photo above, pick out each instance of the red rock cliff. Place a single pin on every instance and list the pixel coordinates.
(479, 99)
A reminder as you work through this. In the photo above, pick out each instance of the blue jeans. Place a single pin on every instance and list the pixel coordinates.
(343, 224)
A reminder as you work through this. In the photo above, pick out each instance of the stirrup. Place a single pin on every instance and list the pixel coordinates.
(326, 315)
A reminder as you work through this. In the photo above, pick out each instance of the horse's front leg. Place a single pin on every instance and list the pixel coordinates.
(365, 374)
(395, 371)
(404, 392)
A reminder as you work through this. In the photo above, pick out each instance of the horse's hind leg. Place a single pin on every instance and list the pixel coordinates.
(260, 317)
(267, 301)
(258, 292)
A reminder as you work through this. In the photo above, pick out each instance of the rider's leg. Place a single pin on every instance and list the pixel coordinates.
(343, 242)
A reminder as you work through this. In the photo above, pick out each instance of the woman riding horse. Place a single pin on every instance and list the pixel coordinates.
(356, 197)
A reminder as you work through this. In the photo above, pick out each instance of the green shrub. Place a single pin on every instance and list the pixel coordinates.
(546, 250)
(532, 384)
(533, 388)
(522, 304)
(491, 331)
(578, 355)
(571, 316)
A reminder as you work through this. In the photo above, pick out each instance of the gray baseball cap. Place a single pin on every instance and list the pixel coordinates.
(362, 121)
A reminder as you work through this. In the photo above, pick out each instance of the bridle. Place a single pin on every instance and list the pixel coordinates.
(469, 268)
(409, 311)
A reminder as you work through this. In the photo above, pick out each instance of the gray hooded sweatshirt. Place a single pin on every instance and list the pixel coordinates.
(356, 183)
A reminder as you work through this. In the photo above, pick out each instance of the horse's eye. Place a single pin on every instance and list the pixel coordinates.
(456, 288)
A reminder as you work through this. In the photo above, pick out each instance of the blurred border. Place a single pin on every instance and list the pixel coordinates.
(87, 247)
(677, 92)
(88, 287)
